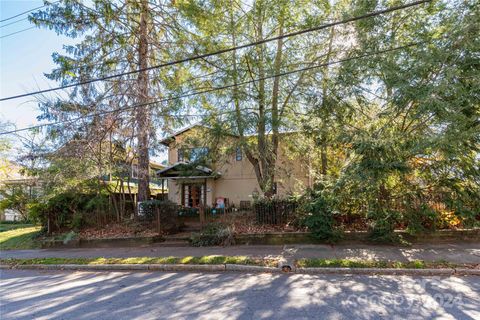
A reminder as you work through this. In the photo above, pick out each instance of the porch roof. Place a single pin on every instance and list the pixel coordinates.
(185, 170)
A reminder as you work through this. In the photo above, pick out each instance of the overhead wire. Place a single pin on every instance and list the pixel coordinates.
(195, 93)
(28, 11)
(230, 49)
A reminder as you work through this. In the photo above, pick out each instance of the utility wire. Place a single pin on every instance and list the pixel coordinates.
(16, 21)
(195, 93)
(11, 34)
(25, 12)
(206, 55)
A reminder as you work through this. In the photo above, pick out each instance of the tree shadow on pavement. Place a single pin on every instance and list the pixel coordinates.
(129, 295)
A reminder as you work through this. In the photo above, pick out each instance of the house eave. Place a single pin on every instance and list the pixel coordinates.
(193, 177)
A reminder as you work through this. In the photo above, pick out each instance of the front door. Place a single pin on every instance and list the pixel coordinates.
(193, 195)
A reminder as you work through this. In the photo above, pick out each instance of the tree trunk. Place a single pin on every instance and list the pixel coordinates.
(323, 156)
(325, 78)
(143, 114)
(261, 127)
(272, 156)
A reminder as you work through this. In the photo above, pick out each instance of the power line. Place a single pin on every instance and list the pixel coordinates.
(11, 34)
(25, 12)
(214, 89)
(16, 21)
(206, 55)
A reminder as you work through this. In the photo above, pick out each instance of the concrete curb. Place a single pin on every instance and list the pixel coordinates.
(246, 269)
(469, 272)
(187, 267)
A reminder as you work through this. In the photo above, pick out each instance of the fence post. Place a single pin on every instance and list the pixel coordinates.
(202, 215)
(157, 210)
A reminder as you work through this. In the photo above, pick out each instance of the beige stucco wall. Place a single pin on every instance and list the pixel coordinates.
(238, 181)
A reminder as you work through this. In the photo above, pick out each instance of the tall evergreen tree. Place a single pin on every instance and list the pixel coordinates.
(113, 37)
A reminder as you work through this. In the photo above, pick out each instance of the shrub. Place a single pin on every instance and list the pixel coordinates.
(470, 218)
(214, 234)
(167, 210)
(382, 226)
(188, 212)
(68, 210)
(420, 220)
(319, 214)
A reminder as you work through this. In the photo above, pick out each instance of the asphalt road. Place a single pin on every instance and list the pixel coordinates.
(35, 294)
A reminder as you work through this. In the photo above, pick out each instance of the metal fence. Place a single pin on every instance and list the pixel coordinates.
(277, 212)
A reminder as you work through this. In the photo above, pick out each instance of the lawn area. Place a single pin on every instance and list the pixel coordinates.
(350, 263)
(11, 226)
(18, 236)
(214, 259)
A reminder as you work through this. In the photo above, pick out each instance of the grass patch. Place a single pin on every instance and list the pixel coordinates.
(12, 226)
(145, 260)
(20, 238)
(350, 263)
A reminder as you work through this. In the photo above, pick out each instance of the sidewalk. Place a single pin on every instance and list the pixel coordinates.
(458, 252)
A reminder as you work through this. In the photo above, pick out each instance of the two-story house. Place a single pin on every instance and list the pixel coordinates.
(229, 178)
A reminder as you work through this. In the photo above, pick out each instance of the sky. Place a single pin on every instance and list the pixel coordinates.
(24, 58)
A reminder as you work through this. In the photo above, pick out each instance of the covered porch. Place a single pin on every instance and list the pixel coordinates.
(190, 186)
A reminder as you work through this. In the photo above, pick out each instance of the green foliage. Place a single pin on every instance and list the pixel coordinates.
(213, 234)
(420, 220)
(382, 226)
(318, 208)
(400, 130)
(69, 210)
(397, 132)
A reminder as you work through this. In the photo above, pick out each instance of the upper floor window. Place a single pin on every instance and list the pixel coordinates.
(238, 154)
(197, 154)
(192, 154)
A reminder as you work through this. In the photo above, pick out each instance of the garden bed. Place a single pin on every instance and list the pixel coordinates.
(117, 230)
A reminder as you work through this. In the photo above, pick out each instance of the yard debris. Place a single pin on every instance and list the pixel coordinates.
(117, 230)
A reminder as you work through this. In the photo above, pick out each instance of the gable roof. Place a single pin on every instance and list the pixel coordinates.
(167, 140)
(187, 171)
